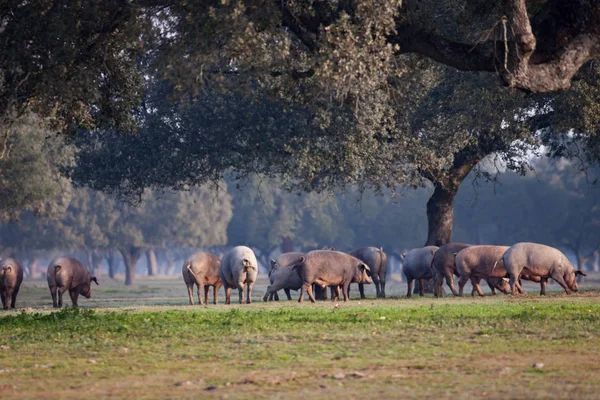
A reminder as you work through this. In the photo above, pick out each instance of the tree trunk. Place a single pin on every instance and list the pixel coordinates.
(170, 262)
(596, 261)
(440, 215)
(131, 255)
(287, 245)
(111, 259)
(151, 262)
(581, 260)
(33, 265)
(97, 258)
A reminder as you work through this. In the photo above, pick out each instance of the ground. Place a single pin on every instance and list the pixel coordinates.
(146, 342)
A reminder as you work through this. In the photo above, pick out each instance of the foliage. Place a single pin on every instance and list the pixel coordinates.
(30, 166)
(71, 64)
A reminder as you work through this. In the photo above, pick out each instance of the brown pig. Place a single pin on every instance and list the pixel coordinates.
(477, 262)
(66, 273)
(331, 268)
(538, 260)
(11, 276)
(442, 266)
(202, 269)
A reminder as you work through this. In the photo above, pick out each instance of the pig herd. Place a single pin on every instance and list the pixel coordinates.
(502, 267)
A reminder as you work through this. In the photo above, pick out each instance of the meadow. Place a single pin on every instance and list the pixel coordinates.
(146, 342)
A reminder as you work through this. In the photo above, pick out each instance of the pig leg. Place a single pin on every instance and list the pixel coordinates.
(476, 287)
(249, 296)
(543, 284)
(8, 297)
(200, 292)
(345, 289)
(54, 299)
(311, 296)
(60, 292)
(439, 281)
(190, 288)
(377, 286)
(74, 295)
(361, 289)
(461, 284)
(276, 296)
(335, 293)
(302, 290)
(287, 293)
(227, 294)
(241, 292)
(4, 302)
(409, 284)
(382, 284)
(514, 284)
(206, 290)
(421, 287)
(14, 298)
(450, 282)
(559, 279)
(216, 294)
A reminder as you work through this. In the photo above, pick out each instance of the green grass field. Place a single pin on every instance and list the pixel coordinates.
(146, 342)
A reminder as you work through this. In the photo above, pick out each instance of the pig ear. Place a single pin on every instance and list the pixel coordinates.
(273, 262)
(580, 272)
(365, 267)
(93, 279)
(403, 255)
(8, 268)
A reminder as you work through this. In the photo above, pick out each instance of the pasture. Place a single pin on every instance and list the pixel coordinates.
(146, 342)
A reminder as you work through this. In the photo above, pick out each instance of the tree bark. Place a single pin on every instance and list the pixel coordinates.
(33, 264)
(111, 259)
(151, 262)
(96, 264)
(287, 244)
(131, 255)
(440, 215)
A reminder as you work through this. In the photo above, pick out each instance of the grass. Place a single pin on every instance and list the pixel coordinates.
(149, 344)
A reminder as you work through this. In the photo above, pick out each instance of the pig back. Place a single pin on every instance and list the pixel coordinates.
(11, 273)
(417, 262)
(444, 256)
(67, 272)
(201, 264)
(482, 261)
(374, 257)
(333, 267)
(537, 258)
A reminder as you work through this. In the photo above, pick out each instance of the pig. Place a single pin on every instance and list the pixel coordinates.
(477, 262)
(538, 260)
(376, 259)
(11, 277)
(417, 264)
(331, 268)
(239, 269)
(66, 273)
(202, 269)
(283, 276)
(442, 265)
